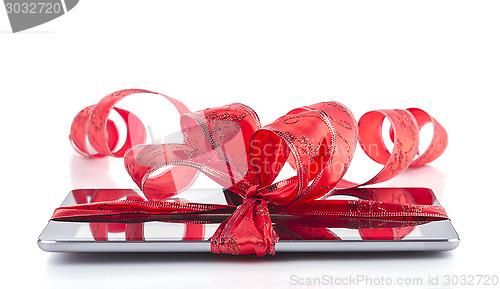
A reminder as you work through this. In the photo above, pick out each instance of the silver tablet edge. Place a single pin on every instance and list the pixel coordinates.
(282, 246)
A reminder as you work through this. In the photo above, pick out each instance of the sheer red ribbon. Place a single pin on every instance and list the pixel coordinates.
(229, 145)
(134, 231)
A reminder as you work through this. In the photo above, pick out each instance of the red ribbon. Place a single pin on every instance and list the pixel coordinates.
(288, 227)
(134, 231)
(229, 145)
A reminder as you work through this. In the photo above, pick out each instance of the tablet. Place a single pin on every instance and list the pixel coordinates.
(296, 234)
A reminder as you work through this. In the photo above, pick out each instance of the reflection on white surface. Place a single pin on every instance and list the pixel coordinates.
(86, 172)
(425, 176)
(176, 270)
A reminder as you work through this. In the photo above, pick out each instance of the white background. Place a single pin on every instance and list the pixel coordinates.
(441, 56)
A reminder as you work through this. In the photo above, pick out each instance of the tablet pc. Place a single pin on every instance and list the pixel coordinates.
(295, 235)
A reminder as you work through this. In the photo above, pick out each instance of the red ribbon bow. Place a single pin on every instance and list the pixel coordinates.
(229, 145)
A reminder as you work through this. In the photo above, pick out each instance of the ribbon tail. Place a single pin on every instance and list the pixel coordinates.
(249, 230)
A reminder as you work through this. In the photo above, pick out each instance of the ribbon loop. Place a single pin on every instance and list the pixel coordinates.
(92, 123)
(406, 139)
(439, 138)
(215, 143)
